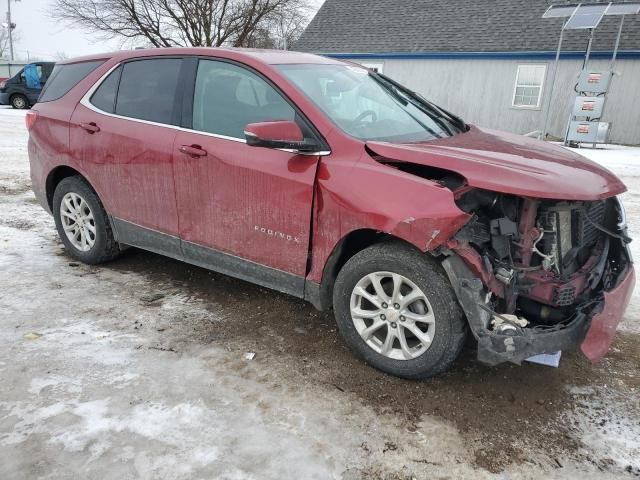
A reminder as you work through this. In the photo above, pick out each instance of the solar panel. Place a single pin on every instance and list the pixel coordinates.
(587, 16)
(559, 11)
(624, 9)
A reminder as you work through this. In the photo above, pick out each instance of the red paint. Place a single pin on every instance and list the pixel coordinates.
(546, 283)
(225, 199)
(130, 164)
(508, 163)
(472, 258)
(604, 324)
(528, 233)
(30, 118)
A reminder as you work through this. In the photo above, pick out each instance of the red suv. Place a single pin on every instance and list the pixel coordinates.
(333, 183)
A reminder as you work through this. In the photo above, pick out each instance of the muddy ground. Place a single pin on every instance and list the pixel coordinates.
(507, 411)
(137, 369)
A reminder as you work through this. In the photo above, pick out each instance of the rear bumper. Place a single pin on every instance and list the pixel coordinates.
(38, 175)
(604, 324)
(4, 98)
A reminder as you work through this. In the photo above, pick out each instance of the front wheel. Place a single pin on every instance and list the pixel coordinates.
(19, 102)
(397, 310)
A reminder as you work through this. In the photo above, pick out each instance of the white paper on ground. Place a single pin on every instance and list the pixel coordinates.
(549, 359)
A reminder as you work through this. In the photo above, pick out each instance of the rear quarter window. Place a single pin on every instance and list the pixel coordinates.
(104, 97)
(65, 77)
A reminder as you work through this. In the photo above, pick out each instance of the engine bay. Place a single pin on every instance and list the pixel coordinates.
(543, 263)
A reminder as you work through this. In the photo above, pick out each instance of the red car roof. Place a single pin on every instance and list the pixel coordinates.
(271, 57)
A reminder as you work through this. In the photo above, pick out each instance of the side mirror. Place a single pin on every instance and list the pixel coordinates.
(279, 134)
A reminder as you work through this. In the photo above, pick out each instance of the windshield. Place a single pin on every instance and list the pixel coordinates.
(369, 106)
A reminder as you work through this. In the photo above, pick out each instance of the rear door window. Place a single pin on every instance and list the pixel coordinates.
(104, 97)
(148, 88)
(65, 77)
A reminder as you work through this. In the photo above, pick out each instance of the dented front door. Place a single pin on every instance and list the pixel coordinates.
(252, 203)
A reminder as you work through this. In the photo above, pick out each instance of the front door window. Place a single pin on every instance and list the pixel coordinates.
(228, 97)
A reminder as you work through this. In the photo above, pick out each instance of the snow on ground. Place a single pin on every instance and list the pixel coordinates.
(136, 370)
(13, 150)
(619, 435)
(624, 162)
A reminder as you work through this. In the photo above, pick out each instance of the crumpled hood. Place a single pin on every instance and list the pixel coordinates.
(509, 163)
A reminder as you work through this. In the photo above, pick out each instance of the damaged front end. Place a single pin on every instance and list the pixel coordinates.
(539, 276)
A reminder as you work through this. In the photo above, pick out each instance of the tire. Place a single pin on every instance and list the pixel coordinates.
(447, 330)
(19, 102)
(78, 196)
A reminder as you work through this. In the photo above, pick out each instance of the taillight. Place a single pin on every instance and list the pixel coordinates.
(30, 118)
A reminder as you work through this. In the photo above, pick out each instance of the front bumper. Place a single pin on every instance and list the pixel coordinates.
(593, 328)
(4, 98)
(604, 324)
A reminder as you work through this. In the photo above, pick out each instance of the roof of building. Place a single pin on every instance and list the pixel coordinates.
(385, 26)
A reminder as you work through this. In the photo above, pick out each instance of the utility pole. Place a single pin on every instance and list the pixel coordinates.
(10, 27)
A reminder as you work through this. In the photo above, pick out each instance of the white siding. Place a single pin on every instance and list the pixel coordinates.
(481, 91)
(8, 70)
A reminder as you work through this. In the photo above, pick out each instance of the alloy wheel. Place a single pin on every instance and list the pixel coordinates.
(78, 222)
(392, 315)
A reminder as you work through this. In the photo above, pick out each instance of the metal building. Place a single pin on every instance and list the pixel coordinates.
(490, 61)
(9, 69)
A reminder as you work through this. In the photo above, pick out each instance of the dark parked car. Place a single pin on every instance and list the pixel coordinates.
(23, 89)
(333, 183)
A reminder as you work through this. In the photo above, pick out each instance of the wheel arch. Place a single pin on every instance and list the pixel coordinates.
(58, 174)
(321, 295)
(387, 203)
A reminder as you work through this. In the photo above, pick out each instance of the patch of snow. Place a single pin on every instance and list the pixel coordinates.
(608, 425)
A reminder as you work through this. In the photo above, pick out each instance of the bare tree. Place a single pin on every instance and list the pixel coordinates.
(284, 29)
(169, 23)
(60, 56)
(4, 41)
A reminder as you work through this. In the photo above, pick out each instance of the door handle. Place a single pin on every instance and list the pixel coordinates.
(193, 150)
(90, 127)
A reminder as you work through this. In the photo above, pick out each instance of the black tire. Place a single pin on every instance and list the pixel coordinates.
(105, 247)
(19, 102)
(426, 274)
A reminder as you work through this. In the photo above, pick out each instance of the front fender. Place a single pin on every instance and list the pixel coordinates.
(369, 195)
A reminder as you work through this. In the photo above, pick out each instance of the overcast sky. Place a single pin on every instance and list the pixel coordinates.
(39, 36)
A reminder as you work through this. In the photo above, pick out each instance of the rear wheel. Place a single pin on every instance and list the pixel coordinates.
(19, 102)
(82, 223)
(396, 309)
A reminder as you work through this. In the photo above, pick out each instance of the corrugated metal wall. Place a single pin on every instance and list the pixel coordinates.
(8, 70)
(481, 91)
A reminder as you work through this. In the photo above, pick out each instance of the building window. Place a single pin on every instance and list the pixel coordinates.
(376, 67)
(528, 89)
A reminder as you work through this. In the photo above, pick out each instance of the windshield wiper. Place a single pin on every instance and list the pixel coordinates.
(422, 102)
(391, 89)
(405, 99)
(459, 122)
